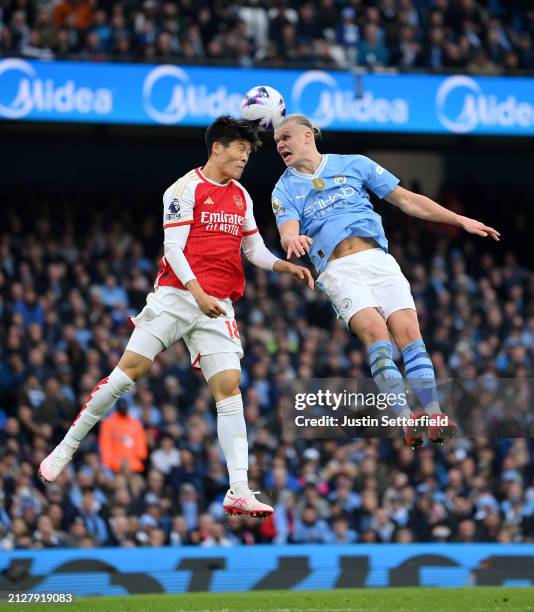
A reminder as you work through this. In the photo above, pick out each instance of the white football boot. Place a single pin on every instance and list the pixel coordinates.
(246, 504)
(52, 466)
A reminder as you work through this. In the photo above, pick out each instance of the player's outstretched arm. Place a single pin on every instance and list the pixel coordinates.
(299, 272)
(292, 241)
(259, 255)
(420, 206)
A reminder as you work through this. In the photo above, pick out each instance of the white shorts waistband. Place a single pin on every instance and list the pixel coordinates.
(358, 256)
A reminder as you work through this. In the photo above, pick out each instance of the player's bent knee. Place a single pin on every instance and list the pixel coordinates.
(404, 327)
(221, 362)
(373, 333)
(222, 371)
(140, 352)
(134, 365)
(224, 384)
(369, 326)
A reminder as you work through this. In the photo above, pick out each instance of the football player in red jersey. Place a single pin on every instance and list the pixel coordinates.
(207, 220)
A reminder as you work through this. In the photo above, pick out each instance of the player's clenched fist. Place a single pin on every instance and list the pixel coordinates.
(297, 271)
(299, 246)
(209, 306)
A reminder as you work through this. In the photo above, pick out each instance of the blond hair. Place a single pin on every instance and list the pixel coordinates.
(302, 120)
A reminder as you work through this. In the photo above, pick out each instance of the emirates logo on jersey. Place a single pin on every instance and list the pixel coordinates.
(227, 223)
(238, 201)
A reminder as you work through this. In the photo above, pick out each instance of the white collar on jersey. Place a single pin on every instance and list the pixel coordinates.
(312, 176)
(205, 178)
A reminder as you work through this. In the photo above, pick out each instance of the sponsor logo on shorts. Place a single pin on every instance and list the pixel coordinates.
(345, 304)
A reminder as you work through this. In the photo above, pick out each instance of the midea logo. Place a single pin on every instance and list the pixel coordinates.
(330, 103)
(169, 96)
(477, 108)
(45, 95)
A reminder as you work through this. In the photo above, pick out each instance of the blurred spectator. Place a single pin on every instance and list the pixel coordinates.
(123, 441)
(59, 335)
(310, 529)
(341, 533)
(94, 523)
(371, 50)
(167, 456)
(344, 33)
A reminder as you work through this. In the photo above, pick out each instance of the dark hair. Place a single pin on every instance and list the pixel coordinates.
(226, 129)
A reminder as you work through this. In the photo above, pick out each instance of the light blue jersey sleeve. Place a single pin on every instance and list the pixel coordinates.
(377, 179)
(283, 206)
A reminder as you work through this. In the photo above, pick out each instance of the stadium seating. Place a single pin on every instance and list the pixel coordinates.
(66, 290)
(485, 37)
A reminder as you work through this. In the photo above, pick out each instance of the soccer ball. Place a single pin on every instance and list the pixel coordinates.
(264, 106)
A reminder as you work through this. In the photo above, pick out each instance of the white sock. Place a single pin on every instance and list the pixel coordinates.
(232, 432)
(98, 403)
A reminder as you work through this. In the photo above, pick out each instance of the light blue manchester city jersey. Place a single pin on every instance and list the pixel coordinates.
(334, 203)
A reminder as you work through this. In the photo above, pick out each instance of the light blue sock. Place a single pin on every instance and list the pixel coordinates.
(386, 375)
(420, 375)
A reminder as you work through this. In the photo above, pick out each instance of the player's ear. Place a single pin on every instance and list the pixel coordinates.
(216, 148)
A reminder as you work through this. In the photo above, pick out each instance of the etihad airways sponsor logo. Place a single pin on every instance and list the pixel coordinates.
(323, 205)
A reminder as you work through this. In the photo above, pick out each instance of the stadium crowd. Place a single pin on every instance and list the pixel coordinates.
(67, 288)
(485, 36)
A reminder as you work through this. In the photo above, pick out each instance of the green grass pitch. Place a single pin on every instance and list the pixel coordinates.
(471, 599)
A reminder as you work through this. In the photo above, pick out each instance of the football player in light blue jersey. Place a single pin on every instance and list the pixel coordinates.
(322, 208)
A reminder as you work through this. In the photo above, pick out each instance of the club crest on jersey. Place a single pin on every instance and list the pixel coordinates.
(238, 200)
(340, 179)
(318, 183)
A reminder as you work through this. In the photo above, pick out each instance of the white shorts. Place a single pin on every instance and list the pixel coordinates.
(367, 279)
(171, 314)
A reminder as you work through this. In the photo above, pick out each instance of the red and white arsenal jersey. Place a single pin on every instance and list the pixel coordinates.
(219, 215)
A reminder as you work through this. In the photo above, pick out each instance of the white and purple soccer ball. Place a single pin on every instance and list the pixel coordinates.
(264, 106)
